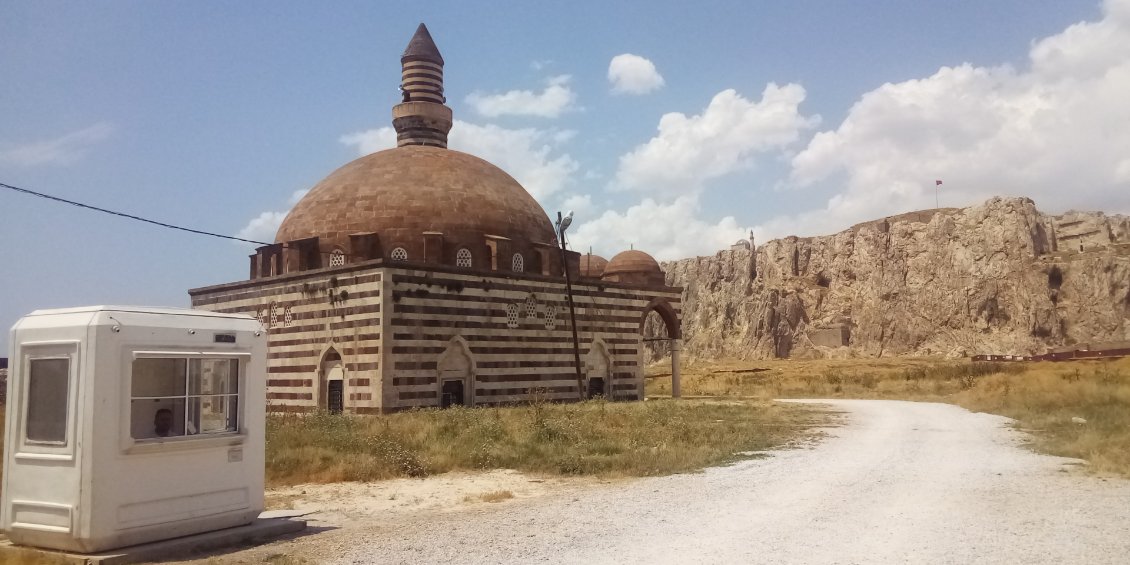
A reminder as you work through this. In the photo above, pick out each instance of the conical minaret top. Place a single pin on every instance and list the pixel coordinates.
(421, 118)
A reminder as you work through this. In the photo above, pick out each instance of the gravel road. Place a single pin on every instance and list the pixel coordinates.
(898, 482)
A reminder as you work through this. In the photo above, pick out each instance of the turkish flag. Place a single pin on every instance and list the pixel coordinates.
(937, 183)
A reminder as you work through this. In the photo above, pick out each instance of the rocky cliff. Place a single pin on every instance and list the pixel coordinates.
(997, 278)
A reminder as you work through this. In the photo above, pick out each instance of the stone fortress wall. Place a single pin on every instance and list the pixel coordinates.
(998, 278)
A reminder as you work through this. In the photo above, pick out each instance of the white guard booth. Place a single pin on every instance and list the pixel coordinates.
(128, 425)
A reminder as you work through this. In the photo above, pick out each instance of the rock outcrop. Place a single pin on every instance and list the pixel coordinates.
(997, 278)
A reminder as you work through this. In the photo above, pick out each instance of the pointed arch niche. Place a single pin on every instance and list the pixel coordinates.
(455, 375)
(598, 370)
(330, 393)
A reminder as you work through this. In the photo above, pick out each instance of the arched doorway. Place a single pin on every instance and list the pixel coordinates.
(455, 375)
(668, 333)
(598, 370)
(331, 382)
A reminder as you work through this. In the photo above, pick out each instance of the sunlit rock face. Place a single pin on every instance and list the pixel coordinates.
(1001, 277)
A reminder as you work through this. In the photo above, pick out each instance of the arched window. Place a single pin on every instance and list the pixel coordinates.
(463, 258)
(399, 254)
(518, 263)
(337, 258)
(274, 315)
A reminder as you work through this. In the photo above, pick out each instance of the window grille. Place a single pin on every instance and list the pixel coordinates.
(463, 258)
(550, 316)
(274, 315)
(399, 254)
(337, 258)
(531, 307)
(511, 315)
(518, 263)
(288, 317)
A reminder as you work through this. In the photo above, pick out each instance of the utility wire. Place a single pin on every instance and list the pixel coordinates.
(124, 215)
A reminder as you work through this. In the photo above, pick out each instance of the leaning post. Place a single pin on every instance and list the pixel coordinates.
(562, 225)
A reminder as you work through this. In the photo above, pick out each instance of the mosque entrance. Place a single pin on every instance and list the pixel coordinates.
(451, 394)
(335, 396)
(455, 374)
(661, 337)
(331, 383)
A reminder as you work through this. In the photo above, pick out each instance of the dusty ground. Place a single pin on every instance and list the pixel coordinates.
(899, 482)
(350, 505)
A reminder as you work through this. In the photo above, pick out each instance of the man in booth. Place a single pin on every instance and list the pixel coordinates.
(163, 422)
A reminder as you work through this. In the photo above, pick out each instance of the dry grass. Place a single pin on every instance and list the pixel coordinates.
(897, 378)
(1042, 397)
(1045, 399)
(590, 438)
(492, 496)
(17, 556)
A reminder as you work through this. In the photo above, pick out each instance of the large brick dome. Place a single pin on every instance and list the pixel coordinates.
(402, 193)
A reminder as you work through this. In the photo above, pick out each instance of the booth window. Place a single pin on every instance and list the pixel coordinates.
(48, 380)
(177, 396)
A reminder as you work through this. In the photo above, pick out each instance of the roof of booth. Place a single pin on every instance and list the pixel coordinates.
(134, 309)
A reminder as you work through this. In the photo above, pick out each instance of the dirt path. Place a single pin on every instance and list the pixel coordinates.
(899, 482)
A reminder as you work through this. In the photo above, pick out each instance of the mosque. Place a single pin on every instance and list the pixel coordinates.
(422, 276)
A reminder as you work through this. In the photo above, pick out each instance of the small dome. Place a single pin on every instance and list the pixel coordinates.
(633, 261)
(634, 267)
(592, 266)
(403, 192)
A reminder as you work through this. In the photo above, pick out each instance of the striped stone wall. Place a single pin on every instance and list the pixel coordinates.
(395, 326)
(305, 315)
(517, 330)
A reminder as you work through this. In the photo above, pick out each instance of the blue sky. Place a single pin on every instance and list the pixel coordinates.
(779, 117)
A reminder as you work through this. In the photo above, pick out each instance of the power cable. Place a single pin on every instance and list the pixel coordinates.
(130, 216)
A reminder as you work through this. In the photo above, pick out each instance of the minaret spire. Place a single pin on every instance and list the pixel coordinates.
(421, 118)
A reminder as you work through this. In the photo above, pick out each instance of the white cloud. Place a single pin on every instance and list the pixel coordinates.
(297, 195)
(579, 203)
(62, 150)
(1054, 131)
(556, 99)
(263, 227)
(667, 231)
(632, 74)
(724, 138)
(529, 155)
(371, 141)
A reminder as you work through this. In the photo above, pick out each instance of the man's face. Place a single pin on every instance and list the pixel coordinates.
(163, 423)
